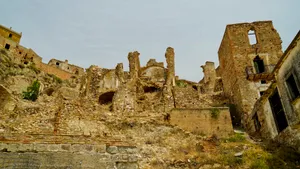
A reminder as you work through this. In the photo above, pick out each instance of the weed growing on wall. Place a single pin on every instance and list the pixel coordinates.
(181, 84)
(32, 91)
(215, 113)
(57, 79)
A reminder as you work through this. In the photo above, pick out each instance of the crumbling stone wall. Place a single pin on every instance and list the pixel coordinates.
(155, 74)
(207, 121)
(236, 54)
(152, 62)
(124, 100)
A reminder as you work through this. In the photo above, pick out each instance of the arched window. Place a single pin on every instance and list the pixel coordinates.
(252, 37)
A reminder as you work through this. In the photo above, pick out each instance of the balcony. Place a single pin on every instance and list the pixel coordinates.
(254, 74)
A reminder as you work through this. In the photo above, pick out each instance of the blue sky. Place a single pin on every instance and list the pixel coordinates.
(98, 32)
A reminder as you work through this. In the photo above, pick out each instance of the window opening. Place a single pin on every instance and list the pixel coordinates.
(10, 35)
(252, 37)
(57, 63)
(259, 65)
(7, 46)
(261, 93)
(263, 81)
(292, 87)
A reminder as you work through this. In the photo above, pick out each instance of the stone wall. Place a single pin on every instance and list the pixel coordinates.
(44, 156)
(236, 54)
(153, 74)
(207, 121)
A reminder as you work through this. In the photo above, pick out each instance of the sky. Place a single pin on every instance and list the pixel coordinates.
(98, 32)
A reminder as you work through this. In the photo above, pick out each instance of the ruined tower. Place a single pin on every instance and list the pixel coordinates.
(247, 55)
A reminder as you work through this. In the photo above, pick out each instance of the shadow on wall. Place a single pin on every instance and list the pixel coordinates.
(150, 89)
(235, 116)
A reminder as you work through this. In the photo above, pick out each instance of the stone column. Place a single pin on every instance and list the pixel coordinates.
(168, 95)
(120, 72)
(209, 76)
(134, 65)
(170, 81)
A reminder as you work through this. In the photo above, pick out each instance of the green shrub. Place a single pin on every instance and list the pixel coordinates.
(32, 91)
(215, 113)
(181, 83)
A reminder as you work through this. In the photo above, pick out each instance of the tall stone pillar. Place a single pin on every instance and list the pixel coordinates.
(170, 56)
(209, 76)
(168, 95)
(134, 64)
(120, 72)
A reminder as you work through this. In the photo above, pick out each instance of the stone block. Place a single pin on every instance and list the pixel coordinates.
(13, 147)
(65, 147)
(100, 148)
(26, 147)
(88, 148)
(76, 148)
(54, 147)
(40, 147)
(128, 150)
(112, 149)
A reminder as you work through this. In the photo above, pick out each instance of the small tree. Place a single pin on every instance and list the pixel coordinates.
(32, 91)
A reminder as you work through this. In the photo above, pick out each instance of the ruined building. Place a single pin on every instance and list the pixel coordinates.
(276, 114)
(247, 56)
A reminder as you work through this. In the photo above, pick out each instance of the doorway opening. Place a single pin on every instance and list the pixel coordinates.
(278, 111)
(259, 65)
